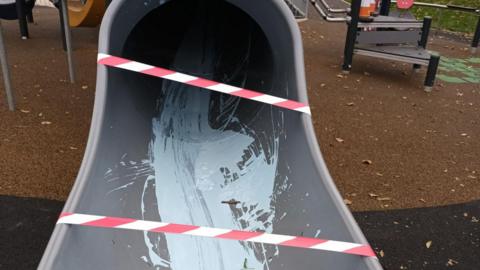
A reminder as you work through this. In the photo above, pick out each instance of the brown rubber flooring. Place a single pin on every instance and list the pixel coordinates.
(424, 149)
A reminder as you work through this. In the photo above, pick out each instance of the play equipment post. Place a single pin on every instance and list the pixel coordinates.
(62, 26)
(6, 73)
(68, 39)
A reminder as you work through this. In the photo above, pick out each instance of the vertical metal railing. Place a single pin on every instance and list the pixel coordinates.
(68, 39)
(299, 8)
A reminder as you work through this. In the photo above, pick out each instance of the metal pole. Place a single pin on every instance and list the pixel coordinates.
(6, 72)
(68, 39)
(62, 26)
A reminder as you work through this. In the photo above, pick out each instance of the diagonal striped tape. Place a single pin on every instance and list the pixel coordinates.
(249, 236)
(122, 63)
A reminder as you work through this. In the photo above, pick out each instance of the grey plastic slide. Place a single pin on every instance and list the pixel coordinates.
(160, 150)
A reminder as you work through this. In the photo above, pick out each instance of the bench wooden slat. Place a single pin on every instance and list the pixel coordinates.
(389, 37)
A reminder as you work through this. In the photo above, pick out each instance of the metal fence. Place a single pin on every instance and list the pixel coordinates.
(299, 8)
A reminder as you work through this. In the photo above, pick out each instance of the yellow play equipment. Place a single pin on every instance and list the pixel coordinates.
(86, 13)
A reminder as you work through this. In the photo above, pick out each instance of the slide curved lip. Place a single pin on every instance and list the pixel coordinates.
(59, 233)
(89, 14)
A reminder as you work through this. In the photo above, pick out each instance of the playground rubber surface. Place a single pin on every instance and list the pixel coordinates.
(42, 143)
(387, 144)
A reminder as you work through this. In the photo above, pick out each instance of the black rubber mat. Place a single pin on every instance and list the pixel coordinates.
(25, 227)
(402, 235)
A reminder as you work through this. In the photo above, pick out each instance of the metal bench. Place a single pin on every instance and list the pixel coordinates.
(391, 38)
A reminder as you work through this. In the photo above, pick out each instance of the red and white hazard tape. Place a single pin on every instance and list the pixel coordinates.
(118, 62)
(256, 237)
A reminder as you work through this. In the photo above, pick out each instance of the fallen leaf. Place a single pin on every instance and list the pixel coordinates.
(382, 254)
(84, 87)
(384, 199)
(24, 111)
(451, 262)
(340, 140)
(73, 148)
(347, 201)
(350, 104)
(40, 114)
(46, 122)
(373, 195)
(428, 244)
(340, 76)
(367, 161)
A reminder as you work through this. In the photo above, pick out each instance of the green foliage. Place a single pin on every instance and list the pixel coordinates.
(457, 21)
(448, 19)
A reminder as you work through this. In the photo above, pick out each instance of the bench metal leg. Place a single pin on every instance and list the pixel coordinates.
(385, 7)
(349, 48)
(351, 36)
(431, 72)
(476, 37)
